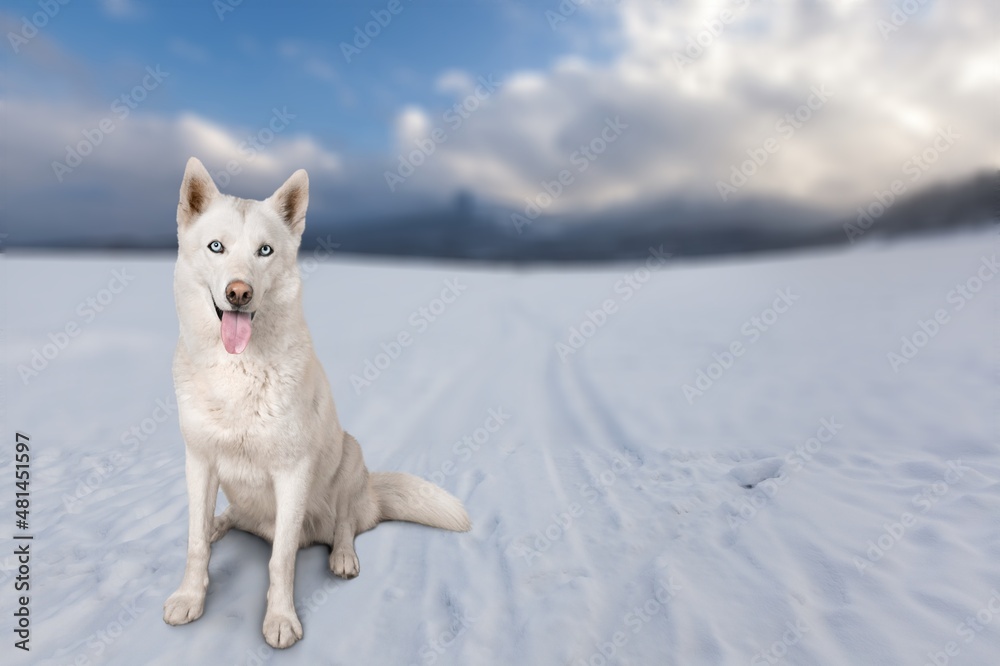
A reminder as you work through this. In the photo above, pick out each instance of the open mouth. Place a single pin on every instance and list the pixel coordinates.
(219, 312)
(236, 327)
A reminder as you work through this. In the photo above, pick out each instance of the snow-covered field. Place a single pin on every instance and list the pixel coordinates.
(805, 502)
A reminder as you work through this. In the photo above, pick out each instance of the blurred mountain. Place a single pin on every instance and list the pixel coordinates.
(473, 230)
(684, 228)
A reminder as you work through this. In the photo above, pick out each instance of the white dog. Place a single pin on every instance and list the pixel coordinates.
(255, 408)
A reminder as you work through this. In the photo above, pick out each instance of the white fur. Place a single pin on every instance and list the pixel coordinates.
(262, 424)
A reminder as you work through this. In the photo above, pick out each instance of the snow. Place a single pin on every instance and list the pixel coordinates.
(812, 506)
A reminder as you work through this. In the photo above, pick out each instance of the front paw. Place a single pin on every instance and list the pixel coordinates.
(183, 607)
(282, 630)
(344, 563)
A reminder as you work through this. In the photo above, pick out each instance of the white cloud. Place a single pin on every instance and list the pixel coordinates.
(412, 124)
(321, 69)
(120, 8)
(188, 51)
(689, 125)
(454, 81)
(136, 167)
(685, 126)
(313, 60)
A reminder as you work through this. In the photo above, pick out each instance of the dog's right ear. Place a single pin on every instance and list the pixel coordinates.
(197, 191)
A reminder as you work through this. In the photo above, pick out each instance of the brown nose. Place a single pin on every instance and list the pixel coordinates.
(239, 293)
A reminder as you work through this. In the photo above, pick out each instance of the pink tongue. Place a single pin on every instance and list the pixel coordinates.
(235, 331)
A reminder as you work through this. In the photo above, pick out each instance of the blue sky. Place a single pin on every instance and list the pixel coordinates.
(234, 69)
(697, 88)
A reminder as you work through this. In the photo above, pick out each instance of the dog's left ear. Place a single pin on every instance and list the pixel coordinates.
(291, 200)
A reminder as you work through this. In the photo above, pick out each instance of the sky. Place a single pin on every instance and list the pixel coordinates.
(397, 105)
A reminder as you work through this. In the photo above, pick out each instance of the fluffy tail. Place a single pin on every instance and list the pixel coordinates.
(407, 497)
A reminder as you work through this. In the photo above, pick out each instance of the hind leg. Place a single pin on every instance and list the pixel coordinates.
(222, 524)
(232, 518)
(343, 558)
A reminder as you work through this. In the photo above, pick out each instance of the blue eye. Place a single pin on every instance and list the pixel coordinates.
(265, 251)
(216, 247)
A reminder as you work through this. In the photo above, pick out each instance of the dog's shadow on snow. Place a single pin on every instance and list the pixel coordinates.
(238, 577)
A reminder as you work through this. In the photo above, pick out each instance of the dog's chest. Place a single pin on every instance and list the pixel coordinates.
(245, 408)
(242, 473)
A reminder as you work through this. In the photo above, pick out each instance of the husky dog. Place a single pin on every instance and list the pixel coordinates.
(255, 407)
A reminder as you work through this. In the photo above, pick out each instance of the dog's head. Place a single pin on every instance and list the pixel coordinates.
(237, 258)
